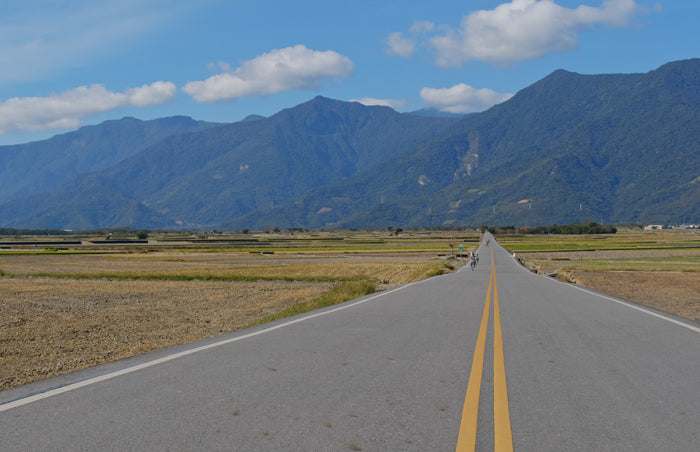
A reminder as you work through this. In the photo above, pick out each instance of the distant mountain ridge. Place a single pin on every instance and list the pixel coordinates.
(614, 148)
(30, 168)
(617, 148)
(204, 178)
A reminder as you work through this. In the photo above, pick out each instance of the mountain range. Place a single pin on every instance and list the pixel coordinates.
(615, 148)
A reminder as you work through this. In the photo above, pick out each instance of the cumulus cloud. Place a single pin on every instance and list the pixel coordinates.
(279, 70)
(65, 110)
(421, 27)
(516, 31)
(462, 98)
(153, 94)
(399, 45)
(396, 104)
(525, 29)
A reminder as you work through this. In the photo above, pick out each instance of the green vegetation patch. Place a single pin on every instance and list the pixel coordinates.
(344, 291)
(629, 251)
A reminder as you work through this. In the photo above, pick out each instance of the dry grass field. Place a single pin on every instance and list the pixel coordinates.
(65, 310)
(660, 270)
(51, 326)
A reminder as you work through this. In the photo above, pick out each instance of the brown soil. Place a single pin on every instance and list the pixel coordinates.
(665, 280)
(674, 293)
(53, 326)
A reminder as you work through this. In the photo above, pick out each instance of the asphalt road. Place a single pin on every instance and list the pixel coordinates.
(568, 370)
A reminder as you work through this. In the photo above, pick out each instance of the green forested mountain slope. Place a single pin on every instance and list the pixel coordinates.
(36, 167)
(614, 148)
(205, 178)
(571, 147)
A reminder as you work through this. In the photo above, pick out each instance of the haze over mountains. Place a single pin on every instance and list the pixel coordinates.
(619, 148)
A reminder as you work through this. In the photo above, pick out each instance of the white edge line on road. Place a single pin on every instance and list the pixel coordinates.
(100, 378)
(642, 309)
(618, 301)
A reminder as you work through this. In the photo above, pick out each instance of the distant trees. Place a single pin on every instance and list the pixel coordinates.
(394, 231)
(13, 231)
(588, 227)
(501, 229)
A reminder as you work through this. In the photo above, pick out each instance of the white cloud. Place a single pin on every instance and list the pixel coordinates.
(153, 94)
(397, 44)
(421, 27)
(279, 70)
(462, 98)
(219, 66)
(515, 31)
(396, 104)
(65, 110)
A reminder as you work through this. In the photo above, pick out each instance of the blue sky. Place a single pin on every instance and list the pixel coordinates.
(71, 63)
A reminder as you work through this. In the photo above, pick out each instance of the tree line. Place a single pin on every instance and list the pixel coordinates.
(588, 227)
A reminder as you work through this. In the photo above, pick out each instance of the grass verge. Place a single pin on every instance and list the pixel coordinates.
(344, 291)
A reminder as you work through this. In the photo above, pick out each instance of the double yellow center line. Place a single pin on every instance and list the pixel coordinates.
(503, 438)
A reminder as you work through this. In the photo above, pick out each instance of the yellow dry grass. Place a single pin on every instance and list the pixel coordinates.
(665, 280)
(677, 293)
(394, 270)
(51, 325)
